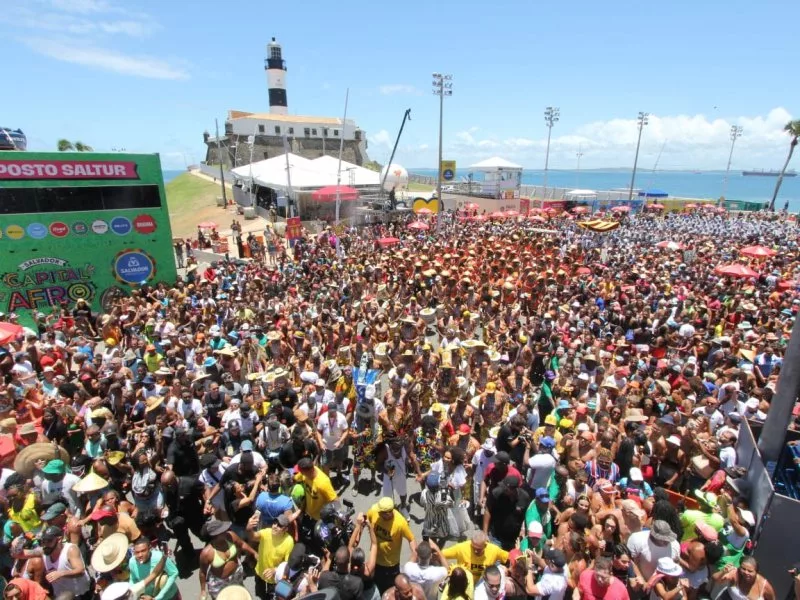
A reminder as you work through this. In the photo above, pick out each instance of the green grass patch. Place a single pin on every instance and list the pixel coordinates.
(420, 187)
(187, 191)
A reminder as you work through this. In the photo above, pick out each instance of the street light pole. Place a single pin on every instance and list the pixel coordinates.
(642, 121)
(551, 116)
(442, 86)
(578, 178)
(736, 132)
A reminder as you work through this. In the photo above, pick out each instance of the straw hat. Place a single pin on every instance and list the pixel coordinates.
(24, 464)
(91, 483)
(227, 351)
(199, 376)
(153, 402)
(8, 425)
(115, 457)
(110, 553)
(234, 592)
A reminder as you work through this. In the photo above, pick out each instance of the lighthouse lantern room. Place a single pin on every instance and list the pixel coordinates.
(275, 67)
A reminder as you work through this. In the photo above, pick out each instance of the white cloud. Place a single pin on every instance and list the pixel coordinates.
(393, 89)
(688, 141)
(106, 59)
(381, 138)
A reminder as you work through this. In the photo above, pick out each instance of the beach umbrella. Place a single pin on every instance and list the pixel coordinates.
(584, 271)
(511, 213)
(424, 211)
(550, 210)
(669, 245)
(207, 225)
(388, 241)
(787, 284)
(708, 206)
(619, 209)
(9, 332)
(537, 219)
(758, 251)
(736, 270)
(478, 218)
(580, 210)
(655, 206)
(418, 226)
(330, 192)
(690, 206)
(471, 206)
(498, 214)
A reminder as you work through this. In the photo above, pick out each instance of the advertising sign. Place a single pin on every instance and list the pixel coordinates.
(448, 170)
(293, 228)
(58, 246)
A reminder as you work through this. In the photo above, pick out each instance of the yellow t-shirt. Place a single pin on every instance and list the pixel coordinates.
(462, 553)
(27, 517)
(319, 492)
(272, 551)
(390, 536)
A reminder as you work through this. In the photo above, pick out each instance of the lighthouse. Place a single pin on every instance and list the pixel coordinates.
(275, 67)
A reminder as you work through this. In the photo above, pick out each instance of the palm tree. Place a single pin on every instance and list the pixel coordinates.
(65, 146)
(793, 129)
(81, 147)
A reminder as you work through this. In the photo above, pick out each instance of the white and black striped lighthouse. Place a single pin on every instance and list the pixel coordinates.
(275, 67)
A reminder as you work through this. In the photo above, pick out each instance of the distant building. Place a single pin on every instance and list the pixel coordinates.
(273, 132)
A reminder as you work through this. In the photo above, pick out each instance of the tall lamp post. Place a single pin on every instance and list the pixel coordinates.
(579, 154)
(442, 86)
(551, 116)
(736, 132)
(642, 121)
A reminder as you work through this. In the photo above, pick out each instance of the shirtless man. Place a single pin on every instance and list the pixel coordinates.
(403, 589)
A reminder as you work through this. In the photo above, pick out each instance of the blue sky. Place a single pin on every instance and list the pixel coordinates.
(150, 76)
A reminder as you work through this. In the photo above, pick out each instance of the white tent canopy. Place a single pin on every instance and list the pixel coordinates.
(494, 163)
(305, 173)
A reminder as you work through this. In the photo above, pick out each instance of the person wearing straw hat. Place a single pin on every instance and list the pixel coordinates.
(110, 559)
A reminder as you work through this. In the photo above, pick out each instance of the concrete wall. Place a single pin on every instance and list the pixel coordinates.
(271, 146)
(245, 126)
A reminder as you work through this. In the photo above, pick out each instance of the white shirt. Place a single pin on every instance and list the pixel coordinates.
(552, 584)
(727, 457)
(482, 594)
(646, 554)
(232, 414)
(479, 463)
(542, 466)
(427, 578)
(331, 432)
(457, 479)
(194, 405)
(715, 419)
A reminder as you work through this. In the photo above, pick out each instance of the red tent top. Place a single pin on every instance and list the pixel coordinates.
(736, 270)
(388, 241)
(9, 332)
(758, 251)
(328, 194)
(419, 225)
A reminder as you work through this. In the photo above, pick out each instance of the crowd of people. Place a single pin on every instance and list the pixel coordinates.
(563, 406)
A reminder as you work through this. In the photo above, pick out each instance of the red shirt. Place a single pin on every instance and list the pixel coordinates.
(492, 478)
(590, 590)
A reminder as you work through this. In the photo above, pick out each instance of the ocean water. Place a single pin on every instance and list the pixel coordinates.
(170, 175)
(682, 184)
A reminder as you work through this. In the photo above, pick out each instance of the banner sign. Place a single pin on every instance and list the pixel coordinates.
(293, 228)
(447, 170)
(16, 169)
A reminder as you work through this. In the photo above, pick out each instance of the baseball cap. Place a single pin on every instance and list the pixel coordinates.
(246, 446)
(54, 510)
(542, 495)
(547, 442)
(464, 428)
(557, 557)
(385, 504)
(535, 529)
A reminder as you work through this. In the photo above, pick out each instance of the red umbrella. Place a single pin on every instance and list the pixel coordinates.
(537, 218)
(329, 193)
(207, 225)
(9, 332)
(418, 226)
(498, 214)
(787, 284)
(511, 213)
(670, 245)
(471, 206)
(690, 206)
(478, 218)
(580, 210)
(758, 251)
(424, 211)
(655, 206)
(388, 241)
(708, 206)
(621, 209)
(550, 210)
(736, 270)
(584, 271)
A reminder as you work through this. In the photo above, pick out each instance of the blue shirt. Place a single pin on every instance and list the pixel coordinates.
(272, 506)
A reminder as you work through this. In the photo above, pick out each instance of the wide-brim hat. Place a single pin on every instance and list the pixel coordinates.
(635, 415)
(199, 377)
(110, 553)
(668, 567)
(227, 351)
(234, 592)
(365, 411)
(91, 483)
(153, 402)
(26, 460)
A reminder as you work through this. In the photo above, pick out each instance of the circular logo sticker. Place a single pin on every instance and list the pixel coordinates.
(144, 224)
(100, 227)
(15, 232)
(80, 228)
(133, 266)
(121, 225)
(37, 231)
(59, 229)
